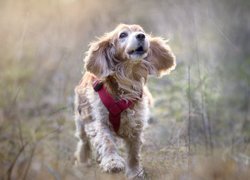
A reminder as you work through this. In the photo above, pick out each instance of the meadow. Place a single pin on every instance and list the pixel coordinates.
(200, 124)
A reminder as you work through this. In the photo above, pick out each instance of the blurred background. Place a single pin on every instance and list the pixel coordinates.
(201, 109)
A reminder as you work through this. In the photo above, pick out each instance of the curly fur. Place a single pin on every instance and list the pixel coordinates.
(107, 59)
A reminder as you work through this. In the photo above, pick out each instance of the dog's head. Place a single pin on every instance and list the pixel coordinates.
(130, 44)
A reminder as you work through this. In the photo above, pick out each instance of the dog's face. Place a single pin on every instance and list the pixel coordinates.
(132, 43)
(129, 44)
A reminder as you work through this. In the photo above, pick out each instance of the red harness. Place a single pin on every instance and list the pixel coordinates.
(114, 107)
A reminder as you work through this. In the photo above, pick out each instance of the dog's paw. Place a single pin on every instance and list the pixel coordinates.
(81, 162)
(135, 174)
(112, 164)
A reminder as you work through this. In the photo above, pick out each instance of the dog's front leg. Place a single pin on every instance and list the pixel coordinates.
(107, 153)
(134, 169)
(83, 151)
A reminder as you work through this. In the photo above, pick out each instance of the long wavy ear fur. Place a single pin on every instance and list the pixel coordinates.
(160, 57)
(99, 57)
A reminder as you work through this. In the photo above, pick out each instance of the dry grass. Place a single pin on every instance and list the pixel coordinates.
(46, 152)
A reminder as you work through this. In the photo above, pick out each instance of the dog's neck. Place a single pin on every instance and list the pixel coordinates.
(128, 80)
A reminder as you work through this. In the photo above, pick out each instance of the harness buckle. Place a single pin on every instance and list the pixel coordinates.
(97, 86)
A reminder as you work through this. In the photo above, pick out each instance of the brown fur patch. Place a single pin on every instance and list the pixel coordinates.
(161, 57)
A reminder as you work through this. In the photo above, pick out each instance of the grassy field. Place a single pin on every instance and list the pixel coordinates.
(45, 151)
(201, 120)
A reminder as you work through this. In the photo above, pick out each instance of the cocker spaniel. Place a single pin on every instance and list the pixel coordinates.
(111, 100)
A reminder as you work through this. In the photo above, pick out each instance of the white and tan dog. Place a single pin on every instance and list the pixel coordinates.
(121, 60)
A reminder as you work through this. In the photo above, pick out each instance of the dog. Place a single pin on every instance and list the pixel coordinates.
(112, 100)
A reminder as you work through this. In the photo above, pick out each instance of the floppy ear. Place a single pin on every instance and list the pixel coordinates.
(161, 57)
(99, 57)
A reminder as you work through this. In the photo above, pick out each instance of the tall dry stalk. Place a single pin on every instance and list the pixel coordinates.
(205, 121)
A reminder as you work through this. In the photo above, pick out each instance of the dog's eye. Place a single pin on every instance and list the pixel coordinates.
(123, 35)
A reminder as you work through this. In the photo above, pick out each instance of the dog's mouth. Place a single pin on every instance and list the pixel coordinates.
(138, 51)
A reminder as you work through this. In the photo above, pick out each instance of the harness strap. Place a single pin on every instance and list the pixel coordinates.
(115, 108)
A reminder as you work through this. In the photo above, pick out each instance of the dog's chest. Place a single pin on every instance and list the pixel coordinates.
(131, 119)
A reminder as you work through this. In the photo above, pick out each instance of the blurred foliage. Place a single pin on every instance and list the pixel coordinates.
(202, 107)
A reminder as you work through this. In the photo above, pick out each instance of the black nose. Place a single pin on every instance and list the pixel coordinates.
(140, 37)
